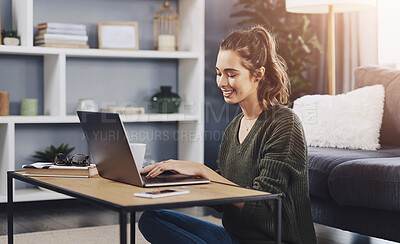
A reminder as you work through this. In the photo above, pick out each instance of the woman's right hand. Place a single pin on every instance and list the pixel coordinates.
(177, 166)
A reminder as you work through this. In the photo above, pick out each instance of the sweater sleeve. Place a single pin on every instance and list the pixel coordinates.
(283, 159)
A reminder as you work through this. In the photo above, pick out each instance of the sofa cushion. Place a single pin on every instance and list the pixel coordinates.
(390, 79)
(370, 183)
(321, 162)
(351, 120)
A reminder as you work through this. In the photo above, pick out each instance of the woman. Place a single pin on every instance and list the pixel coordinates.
(262, 148)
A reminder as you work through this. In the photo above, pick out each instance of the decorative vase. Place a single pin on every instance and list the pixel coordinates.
(29, 107)
(165, 101)
(11, 41)
(4, 103)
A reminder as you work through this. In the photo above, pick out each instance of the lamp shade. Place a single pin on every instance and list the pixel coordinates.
(322, 6)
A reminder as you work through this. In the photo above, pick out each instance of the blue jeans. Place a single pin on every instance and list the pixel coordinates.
(166, 226)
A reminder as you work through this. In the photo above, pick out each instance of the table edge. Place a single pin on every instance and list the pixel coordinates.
(117, 207)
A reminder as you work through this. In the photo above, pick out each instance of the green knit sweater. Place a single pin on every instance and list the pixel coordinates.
(272, 158)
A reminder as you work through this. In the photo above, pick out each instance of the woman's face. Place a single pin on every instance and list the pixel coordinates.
(234, 80)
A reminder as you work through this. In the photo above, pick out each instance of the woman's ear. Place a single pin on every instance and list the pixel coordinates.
(260, 73)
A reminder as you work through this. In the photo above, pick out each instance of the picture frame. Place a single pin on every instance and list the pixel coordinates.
(118, 35)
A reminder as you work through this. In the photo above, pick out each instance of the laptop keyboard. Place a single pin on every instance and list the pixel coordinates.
(168, 178)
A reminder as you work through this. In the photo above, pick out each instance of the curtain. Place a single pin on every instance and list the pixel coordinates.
(355, 45)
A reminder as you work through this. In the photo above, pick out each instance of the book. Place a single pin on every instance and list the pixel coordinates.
(62, 31)
(61, 45)
(55, 25)
(47, 36)
(124, 110)
(38, 42)
(49, 169)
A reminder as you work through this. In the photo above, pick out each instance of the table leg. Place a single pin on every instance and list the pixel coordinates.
(278, 221)
(133, 227)
(10, 209)
(122, 226)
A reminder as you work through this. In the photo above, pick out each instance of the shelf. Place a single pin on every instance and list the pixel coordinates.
(187, 70)
(97, 53)
(102, 53)
(36, 194)
(71, 119)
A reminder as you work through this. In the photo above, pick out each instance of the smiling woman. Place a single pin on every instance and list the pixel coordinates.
(262, 148)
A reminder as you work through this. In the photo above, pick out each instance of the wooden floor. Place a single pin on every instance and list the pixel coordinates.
(55, 215)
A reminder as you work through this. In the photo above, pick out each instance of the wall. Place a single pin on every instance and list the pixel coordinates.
(388, 32)
(218, 114)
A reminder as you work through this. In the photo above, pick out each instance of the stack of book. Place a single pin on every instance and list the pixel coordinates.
(61, 35)
(48, 169)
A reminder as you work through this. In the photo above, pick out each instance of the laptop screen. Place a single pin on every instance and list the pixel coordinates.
(109, 147)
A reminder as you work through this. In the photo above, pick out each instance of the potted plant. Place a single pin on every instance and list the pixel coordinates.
(10, 37)
(50, 152)
(299, 45)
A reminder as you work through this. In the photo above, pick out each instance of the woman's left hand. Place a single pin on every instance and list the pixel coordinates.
(177, 166)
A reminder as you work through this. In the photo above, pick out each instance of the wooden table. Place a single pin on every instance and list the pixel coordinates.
(119, 197)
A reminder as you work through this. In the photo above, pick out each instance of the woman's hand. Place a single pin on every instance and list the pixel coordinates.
(177, 166)
(186, 168)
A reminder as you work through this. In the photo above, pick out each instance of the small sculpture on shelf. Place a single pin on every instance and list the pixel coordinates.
(10, 37)
(166, 29)
(166, 101)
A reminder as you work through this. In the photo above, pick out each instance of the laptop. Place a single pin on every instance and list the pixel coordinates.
(110, 151)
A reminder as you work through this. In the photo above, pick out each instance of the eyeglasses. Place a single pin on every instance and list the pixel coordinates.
(77, 160)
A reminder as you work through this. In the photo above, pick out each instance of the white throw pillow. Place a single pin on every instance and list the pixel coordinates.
(351, 120)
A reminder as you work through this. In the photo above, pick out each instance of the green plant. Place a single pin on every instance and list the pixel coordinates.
(50, 152)
(9, 33)
(299, 45)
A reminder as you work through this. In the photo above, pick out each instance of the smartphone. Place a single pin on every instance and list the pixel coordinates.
(162, 193)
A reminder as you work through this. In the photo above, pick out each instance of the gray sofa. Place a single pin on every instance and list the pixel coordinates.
(358, 190)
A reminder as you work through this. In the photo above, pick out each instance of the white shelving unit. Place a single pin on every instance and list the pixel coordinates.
(190, 87)
(71, 119)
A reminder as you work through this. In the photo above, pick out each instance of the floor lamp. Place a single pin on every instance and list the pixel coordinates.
(329, 7)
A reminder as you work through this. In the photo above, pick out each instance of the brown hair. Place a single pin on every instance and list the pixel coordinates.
(257, 48)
